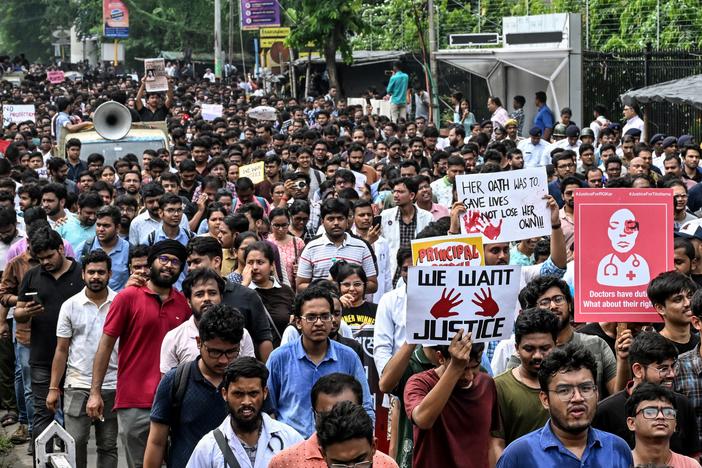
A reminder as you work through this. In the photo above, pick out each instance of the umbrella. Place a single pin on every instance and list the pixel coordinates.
(262, 113)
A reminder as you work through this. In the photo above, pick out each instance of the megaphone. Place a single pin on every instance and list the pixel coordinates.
(112, 120)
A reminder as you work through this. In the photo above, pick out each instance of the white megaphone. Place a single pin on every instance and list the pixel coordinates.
(112, 120)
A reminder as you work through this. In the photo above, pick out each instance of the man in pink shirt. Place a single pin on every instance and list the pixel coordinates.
(326, 393)
(140, 317)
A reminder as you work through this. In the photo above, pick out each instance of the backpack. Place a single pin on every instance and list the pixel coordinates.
(87, 248)
(180, 385)
(151, 238)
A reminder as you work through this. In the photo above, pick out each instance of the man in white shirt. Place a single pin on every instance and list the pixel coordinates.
(209, 75)
(631, 114)
(78, 333)
(534, 149)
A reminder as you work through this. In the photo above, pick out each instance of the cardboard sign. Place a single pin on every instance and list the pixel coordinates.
(505, 206)
(211, 111)
(255, 172)
(448, 251)
(55, 77)
(480, 300)
(17, 113)
(156, 78)
(623, 239)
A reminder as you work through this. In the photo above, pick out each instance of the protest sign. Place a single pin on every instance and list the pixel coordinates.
(481, 300)
(448, 251)
(505, 206)
(255, 172)
(17, 113)
(211, 111)
(156, 78)
(623, 239)
(56, 76)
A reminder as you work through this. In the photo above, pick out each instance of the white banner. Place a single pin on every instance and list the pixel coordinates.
(505, 206)
(211, 111)
(480, 300)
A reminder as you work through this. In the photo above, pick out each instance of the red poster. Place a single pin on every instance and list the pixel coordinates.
(623, 239)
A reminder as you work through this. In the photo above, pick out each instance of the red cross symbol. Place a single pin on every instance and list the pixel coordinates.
(631, 275)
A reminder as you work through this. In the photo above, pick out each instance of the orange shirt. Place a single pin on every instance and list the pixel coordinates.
(308, 454)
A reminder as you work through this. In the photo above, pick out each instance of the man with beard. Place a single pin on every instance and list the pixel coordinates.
(140, 317)
(42, 291)
(651, 412)
(200, 407)
(107, 240)
(515, 158)
(671, 294)
(652, 360)
(439, 402)
(53, 201)
(416, 147)
(58, 173)
(128, 207)
(567, 213)
(552, 293)
(9, 234)
(535, 332)
(569, 393)
(443, 187)
(355, 160)
(79, 326)
(131, 184)
(203, 287)
(78, 229)
(248, 436)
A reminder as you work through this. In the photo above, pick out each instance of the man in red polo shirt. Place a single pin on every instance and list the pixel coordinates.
(140, 316)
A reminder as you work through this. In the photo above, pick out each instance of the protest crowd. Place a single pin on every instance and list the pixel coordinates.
(210, 319)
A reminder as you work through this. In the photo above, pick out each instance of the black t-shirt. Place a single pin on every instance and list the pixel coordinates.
(697, 279)
(247, 302)
(685, 347)
(147, 115)
(361, 315)
(278, 302)
(594, 328)
(611, 417)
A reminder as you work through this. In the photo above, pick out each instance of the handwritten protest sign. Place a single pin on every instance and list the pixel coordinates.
(448, 251)
(505, 206)
(17, 113)
(255, 172)
(480, 300)
(211, 111)
(156, 79)
(623, 239)
(56, 76)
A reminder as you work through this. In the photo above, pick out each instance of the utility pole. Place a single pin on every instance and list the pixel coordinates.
(230, 54)
(432, 85)
(218, 38)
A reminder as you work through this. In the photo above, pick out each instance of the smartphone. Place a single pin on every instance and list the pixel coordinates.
(29, 296)
(377, 220)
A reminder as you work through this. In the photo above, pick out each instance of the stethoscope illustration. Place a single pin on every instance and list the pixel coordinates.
(611, 269)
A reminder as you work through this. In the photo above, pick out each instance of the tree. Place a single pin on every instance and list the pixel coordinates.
(328, 25)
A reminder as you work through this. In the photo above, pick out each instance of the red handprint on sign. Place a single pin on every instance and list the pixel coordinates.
(442, 308)
(486, 303)
(474, 222)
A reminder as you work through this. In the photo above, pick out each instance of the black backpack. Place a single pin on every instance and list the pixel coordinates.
(180, 385)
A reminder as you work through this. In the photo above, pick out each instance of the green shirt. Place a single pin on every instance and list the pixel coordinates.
(521, 410)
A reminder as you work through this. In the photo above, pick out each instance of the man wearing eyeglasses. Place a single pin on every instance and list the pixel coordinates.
(651, 415)
(652, 360)
(569, 393)
(140, 317)
(671, 294)
(296, 367)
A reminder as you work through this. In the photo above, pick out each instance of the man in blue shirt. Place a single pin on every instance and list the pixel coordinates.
(397, 89)
(78, 229)
(569, 393)
(295, 367)
(544, 116)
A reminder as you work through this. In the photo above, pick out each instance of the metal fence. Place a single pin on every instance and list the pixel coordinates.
(607, 75)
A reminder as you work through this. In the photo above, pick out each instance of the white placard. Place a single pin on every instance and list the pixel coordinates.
(17, 113)
(211, 111)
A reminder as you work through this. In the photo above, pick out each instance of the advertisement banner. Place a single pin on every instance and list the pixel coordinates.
(479, 300)
(448, 251)
(505, 206)
(256, 14)
(115, 19)
(156, 78)
(623, 239)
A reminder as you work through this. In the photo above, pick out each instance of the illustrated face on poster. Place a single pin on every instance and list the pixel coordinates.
(623, 238)
(622, 267)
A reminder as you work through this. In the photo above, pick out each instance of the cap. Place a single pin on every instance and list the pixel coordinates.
(587, 131)
(635, 132)
(485, 123)
(535, 131)
(572, 131)
(685, 140)
(512, 122)
(658, 137)
(669, 141)
(615, 126)
(559, 130)
(690, 230)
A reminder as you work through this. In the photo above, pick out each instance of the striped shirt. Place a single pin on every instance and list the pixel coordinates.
(688, 380)
(321, 253)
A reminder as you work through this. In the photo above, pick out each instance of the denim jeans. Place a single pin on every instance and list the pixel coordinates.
(23, 383)
(78, 423)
